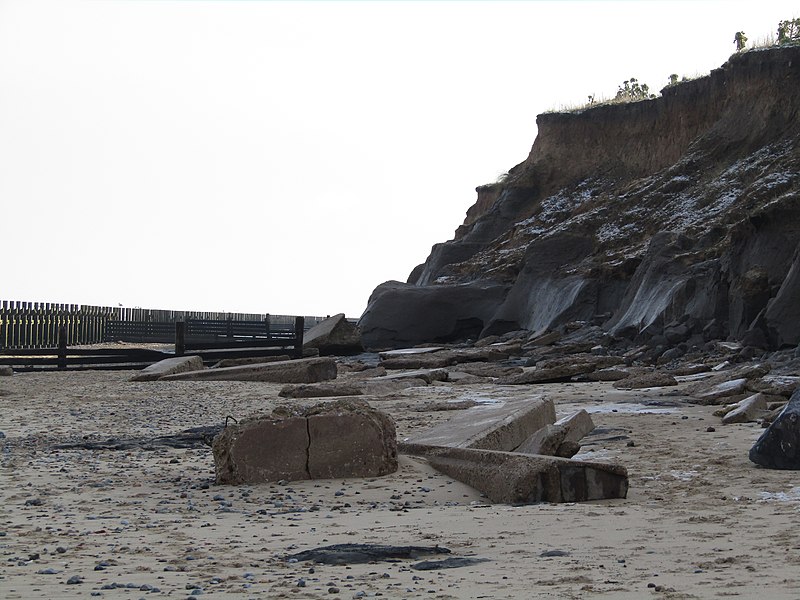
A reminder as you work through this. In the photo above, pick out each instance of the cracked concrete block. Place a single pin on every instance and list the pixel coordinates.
(341, 439)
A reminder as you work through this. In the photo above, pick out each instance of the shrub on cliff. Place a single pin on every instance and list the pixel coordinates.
(632, 91)
(740, 39)
(789, 32)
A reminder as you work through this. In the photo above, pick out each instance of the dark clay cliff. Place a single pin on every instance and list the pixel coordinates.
(674, 218)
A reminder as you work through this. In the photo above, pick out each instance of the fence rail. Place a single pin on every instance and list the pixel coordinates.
(36, 324)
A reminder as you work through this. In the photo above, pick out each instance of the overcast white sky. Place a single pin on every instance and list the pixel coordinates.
(289, 157)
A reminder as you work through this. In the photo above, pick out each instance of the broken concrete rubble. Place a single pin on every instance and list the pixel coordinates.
(319, 390)
(334, 336)
(747, 410)
(493, 427)
(303, 370)
(345, 438)
(169, 366)
(561, 438)
(512, 478)
(646, 380)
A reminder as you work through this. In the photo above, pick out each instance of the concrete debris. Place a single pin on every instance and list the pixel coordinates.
(340, 439)
(302, 370)
(169, 366)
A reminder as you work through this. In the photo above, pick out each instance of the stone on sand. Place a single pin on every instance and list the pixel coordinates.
(748, 410)
(341, 439)
(779, 445)
(6, 371)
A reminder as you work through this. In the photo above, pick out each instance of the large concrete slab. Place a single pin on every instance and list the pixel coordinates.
(303, 370)
(511, 478)
(344, 438)
(501, 426)
(169, 366)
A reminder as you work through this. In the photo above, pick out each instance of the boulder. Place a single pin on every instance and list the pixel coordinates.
(491, 426)
(747, 410)
(341, 439)
(302, 370)
(779, 445)
(6, 371)
(334, 336)
(646, 380)
(512, 478)
(400, 315)
(169, 366)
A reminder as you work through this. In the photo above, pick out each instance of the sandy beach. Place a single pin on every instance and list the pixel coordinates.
(700, 520)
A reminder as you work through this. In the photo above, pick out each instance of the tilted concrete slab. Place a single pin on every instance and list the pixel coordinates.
(501, 426)
(571, 429)
(303, 370)
(169, 366)
(511, 478)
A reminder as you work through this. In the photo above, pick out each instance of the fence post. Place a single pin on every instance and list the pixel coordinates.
(180, 338)
(62, 347)
(299, 327)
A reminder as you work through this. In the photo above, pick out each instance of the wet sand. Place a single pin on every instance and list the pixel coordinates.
(700, 520)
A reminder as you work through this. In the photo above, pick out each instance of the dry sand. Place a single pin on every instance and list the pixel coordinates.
(700, 520)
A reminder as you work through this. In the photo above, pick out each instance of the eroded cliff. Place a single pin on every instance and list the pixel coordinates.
(680, 213)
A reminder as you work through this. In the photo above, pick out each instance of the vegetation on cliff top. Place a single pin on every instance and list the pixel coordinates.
(631, 90)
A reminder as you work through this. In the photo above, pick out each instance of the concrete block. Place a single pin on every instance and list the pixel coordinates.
(345, 438)
(491, 426)
(169, 366)
(511, 478)
(303, 370)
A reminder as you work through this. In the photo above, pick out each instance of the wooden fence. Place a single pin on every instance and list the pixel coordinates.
(36, 324)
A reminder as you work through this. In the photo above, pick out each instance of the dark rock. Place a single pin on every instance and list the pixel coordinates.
(399, 315)
(779, 446)
(352, 554)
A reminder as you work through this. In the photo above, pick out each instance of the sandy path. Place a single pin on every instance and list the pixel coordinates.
(700, 520)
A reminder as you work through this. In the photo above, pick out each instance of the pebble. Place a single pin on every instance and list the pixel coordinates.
(710, 429)
(75, 579)
(333, 590)
(33, 502)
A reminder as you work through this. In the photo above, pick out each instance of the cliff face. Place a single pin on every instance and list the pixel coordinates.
(642, 217)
